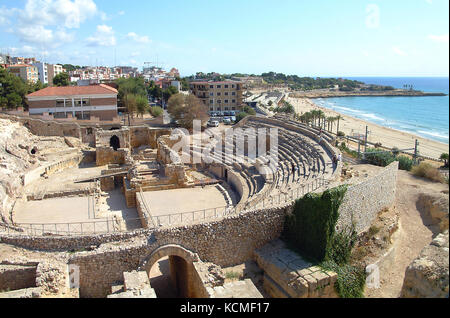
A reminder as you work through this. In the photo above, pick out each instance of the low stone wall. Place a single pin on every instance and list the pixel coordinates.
(46, 128)
(363, 201)
(52, 167)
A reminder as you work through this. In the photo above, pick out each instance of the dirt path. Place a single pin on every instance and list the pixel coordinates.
(413, 234)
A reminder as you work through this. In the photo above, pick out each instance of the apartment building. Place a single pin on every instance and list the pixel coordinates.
(53, 70)
(219, 96)
(27, 72)
(42, 71)
(81, 102)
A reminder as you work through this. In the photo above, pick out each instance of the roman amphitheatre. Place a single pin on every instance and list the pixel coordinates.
(114, 211)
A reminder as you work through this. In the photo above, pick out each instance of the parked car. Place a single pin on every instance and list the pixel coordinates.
(226, 113)
(232, 113)
(213, 123)
(227, 121)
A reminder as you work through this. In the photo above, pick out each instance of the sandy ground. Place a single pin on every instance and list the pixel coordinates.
(413, 235)
(55, 210)
(387, 136)
(176, 201)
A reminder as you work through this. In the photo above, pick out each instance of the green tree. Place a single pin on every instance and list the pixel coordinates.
(13, 90)
(168, 92)
(444, 157)
(141, 105)
(62, 79)
(130, 103)
(187, 108)
(156, 111)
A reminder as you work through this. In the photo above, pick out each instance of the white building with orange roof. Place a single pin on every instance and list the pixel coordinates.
(80, 102)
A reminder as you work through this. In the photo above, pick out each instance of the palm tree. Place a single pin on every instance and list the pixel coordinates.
(338, 118)
(321, 115)
(330, 120)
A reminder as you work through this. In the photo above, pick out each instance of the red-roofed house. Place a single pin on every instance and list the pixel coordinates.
(80, 102)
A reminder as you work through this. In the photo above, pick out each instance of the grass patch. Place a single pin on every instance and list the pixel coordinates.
(232, 275)
(427, 171)
(373, 230)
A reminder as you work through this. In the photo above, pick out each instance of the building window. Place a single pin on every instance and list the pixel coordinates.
(226, 108)
(232, 86)
(77, 102)
(226, 86)
(233, 101)
(233, 108)
(218, 101)
(211, 86)
(60, 103)
(218, 86)
(211, 109)
(211, 101)
(218, 94)
(226, 93)
(211, 94)
(226, 101)
(233, 93)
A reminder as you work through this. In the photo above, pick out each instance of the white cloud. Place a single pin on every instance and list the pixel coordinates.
(134, 54)
(41, 35)
(439, 38)
(399, 51)
(67, 13)
(140, 39)
(45, 22)
(103, 37)
(121, 13)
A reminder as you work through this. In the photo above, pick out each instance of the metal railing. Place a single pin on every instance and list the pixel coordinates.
(291, 195)
(99, 226)
(193, 216)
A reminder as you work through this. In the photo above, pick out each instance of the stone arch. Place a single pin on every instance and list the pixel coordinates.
(181, 266)
(114, 142)
(168, 250)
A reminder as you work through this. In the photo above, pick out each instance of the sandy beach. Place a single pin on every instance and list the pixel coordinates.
(388, 137)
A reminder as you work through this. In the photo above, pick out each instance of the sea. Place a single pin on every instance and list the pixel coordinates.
(427, 117)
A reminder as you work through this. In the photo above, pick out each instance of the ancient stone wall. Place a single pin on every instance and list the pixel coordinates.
(47, 128)
(363, 201)
(13, 277)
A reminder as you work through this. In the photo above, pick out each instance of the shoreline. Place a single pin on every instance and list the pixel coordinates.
(318, 94)
(388, 137)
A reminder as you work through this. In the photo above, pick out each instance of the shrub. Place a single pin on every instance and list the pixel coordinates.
(405, 163)
(444, 156)
(240, 116)
(340, 134)
(425, 170)
(379, 158)
(310, 227)
(156, 111)
(350, 281)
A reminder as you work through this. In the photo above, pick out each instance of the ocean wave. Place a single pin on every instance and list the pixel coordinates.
(434, 134)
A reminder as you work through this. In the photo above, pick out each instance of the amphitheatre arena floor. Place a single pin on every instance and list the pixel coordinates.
(54, 210)
(169, 202)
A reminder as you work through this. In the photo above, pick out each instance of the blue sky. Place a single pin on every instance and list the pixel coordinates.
(307, 38)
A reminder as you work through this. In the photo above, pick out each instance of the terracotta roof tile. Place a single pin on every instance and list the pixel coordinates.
(74, 90)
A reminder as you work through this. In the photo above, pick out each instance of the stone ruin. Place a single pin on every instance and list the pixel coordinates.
(258, 190)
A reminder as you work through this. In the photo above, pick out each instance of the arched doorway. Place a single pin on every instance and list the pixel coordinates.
(170, 269)
(114, 142)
